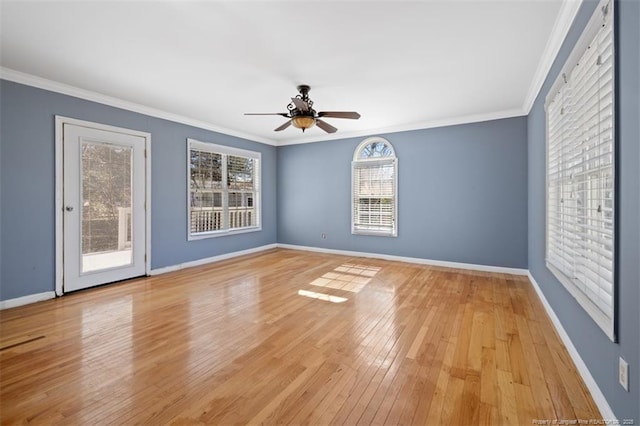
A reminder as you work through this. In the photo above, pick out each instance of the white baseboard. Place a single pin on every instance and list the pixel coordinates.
(212, 259)
(25, 300)
(596, 393)
(469, 266)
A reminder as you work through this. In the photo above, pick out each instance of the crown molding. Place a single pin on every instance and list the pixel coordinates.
(568, 11)
(452, 121)
(65, 89)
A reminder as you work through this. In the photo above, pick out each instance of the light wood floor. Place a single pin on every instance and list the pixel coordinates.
(291, 337)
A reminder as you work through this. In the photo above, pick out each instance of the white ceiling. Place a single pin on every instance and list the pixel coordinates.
(401, 64)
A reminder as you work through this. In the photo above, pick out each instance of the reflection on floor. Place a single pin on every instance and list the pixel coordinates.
(347, 277)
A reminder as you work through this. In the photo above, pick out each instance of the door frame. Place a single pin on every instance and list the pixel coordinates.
(60, 121)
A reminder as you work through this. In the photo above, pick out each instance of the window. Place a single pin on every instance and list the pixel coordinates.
(580, 172)
(224, 190)
(374, 181)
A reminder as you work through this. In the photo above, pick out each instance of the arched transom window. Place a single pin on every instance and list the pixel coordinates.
(374, 177)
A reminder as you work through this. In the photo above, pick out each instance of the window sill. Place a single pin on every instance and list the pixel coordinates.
(222, 233)
(374, 233)
(605, 323)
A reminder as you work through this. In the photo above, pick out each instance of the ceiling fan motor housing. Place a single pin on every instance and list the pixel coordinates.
(304, 91)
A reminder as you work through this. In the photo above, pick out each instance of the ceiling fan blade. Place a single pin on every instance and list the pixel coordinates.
(300, 104)
(284, 126)
(284, 114)
(339, 114)
(326, 126)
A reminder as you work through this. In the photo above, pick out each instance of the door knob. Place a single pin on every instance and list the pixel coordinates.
(69, 208)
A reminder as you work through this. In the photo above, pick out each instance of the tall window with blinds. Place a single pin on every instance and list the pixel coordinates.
(223, 188)
(580, 236)
(374, 189)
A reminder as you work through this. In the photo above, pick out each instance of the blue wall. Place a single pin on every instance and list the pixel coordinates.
(28, 186)
(598, 352)
(462, 194)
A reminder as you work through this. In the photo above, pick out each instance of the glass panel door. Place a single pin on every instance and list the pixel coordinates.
(104, 219)
(106, 206)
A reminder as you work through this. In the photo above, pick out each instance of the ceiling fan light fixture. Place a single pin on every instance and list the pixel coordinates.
(303, 122)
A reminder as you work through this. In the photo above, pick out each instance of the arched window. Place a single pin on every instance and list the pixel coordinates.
(374, 181)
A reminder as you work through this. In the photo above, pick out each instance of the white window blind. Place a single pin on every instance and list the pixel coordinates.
(374, 188)
(223, 188)
(580, 172)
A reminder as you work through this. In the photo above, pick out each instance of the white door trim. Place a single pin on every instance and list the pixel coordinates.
(60, 121)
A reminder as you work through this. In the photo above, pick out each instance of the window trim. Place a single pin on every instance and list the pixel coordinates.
(225, 151)
(604, 11)
(380, 160)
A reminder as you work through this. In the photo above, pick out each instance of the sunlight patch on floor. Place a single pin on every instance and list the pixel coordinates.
(322, 296)
(346, 277)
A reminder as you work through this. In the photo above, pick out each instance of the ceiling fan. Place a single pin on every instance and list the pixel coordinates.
(302, 115)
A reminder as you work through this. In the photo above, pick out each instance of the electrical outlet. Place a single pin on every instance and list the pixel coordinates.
(324, 236)
(623, 374)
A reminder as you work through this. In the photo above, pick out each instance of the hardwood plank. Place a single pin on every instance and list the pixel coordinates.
(438, 401)
(559, 395)
(544, 406)
(506, 398)
(438, 368)
(488, 415)
(488, 382)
